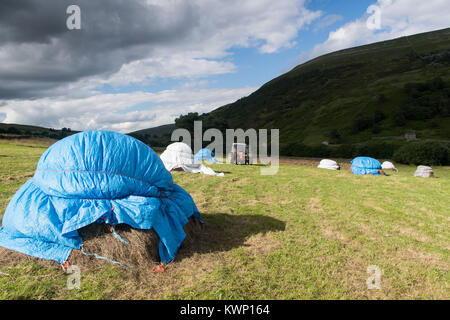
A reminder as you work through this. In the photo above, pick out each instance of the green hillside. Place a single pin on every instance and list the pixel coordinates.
(157, 131)
(352, 96)
(155, 137)
(21, 131)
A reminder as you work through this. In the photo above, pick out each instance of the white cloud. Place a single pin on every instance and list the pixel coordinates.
(221, 25)
(115, 111)
(327, 21)
(175, 66)
(148, 39)
(136, 43)
(398, 18)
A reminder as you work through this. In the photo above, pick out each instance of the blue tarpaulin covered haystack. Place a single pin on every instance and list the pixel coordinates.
(90, 177)
(366, 165)
(205, 154)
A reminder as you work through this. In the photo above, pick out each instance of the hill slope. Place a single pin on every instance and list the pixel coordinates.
(157, 136)
(156, 131)
(13, 130)
(350, 96)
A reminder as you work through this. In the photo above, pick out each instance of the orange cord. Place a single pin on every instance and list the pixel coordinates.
(162, 267)
(65, 266)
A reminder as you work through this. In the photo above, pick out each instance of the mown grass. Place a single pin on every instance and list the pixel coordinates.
(304, 233)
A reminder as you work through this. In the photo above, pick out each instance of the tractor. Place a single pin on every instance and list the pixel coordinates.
(240, 154)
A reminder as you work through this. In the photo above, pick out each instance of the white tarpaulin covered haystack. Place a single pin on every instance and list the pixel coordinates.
(328, 164)
(424, 172)
(388, 166)
(179, 155)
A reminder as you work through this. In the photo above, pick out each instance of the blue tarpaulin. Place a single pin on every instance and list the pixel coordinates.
(90, 177)
(366, 165)
(205, 154)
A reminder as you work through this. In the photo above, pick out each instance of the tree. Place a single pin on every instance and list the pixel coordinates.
(187, 121)
(437, 83)
(422, 153)
(361, 123)
(378, 116)
(376, 129)
(335, 136)
(382, 98)
(212, 121)
(399, 118)
(13, 130)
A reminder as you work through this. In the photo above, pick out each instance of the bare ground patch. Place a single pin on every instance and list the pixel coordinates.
(414, 256)
(413, 233)
(313, 162)
(262, 244)
(316, 206)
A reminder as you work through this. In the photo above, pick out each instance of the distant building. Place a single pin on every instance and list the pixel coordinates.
(410, 136)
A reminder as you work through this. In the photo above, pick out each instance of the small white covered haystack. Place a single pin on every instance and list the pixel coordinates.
(179, 155)
(424, 172)
(388, 166)
(328, 164)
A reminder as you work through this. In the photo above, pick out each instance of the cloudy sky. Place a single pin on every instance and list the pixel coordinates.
(136, 64)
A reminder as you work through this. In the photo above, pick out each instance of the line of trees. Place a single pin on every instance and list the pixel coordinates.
(50, 133)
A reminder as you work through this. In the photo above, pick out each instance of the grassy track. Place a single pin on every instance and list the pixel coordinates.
(304, 233)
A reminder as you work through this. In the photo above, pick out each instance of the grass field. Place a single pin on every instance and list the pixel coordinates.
(304, 233)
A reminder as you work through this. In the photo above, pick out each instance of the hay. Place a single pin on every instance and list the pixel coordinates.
(424, 172)
(141, 252)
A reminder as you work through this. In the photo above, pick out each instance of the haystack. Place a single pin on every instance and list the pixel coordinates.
(387, 165)
(92, 181)
(179, 156)
(424, 172)
(205, 154)
(366, 166)
(328, 164)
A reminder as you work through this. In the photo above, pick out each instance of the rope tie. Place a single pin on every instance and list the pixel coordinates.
(118, 237)
(104, 258)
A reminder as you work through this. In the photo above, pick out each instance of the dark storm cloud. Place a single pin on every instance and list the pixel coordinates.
(29, 21)
(38, 52)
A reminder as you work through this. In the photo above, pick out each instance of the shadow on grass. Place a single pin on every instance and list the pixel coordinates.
(223, 232)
